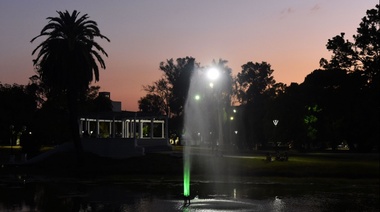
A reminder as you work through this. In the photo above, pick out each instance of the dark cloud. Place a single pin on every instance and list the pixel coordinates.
(315, 8)
(288, 10)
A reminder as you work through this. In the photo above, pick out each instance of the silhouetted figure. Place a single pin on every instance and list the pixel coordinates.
(269, 157)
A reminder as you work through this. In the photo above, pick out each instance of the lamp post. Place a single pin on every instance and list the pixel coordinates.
(232, 128)
(275, 122)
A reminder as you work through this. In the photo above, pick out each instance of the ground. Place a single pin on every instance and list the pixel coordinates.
(170, 163)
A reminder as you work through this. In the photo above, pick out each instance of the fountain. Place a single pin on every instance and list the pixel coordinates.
(186, 177)
(202, 123)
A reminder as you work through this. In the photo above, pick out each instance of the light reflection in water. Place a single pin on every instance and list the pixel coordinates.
(278, 204)
(17, 196)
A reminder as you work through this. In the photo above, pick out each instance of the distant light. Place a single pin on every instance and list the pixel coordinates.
(234, 110)
(236, 132)
(213, 73)
(275, 122)
(197, 97)
(211, 85)
(231, 118)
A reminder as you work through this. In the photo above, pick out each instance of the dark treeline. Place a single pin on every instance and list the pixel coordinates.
(47, 119)
(336, 105)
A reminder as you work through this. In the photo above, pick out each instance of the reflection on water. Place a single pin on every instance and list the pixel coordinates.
(18, 193)
(278, 204)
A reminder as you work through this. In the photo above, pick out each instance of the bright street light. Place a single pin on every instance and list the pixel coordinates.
(213, 73)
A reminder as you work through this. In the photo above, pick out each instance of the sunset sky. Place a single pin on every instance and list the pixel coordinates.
(291, 35)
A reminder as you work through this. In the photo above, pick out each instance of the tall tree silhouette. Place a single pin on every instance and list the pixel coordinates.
(67, 61)
(254, 85)
(361, 60)
(254, 81)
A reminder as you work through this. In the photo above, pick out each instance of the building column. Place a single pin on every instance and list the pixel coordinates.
(127, 129)
(134, 129)
(80, 127)
(163, 129)
(123, 128)
(84, 125)
(167, 129)
(151, 127)
(88, 126)
(113, 132)
(141, 129)
(97, 128)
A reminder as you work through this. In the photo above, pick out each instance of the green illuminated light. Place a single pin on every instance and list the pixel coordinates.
(186, 176)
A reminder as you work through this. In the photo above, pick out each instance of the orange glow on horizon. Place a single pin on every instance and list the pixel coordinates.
(289, 35)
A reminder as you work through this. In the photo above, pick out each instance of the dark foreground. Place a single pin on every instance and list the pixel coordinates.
(306, 182)
(144, 194)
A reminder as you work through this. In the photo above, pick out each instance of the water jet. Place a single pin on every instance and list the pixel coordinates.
(202, 120)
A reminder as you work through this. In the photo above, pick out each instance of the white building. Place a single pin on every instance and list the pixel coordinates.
(120, 133)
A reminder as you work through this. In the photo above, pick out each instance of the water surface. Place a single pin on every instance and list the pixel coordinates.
(39, 193)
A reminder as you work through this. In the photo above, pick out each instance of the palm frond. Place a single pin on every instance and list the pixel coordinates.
(69, 54)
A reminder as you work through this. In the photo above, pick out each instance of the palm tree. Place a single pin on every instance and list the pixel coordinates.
(66, 62)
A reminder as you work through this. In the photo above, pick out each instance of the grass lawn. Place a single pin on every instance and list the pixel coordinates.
(306, 166)
(342, 166)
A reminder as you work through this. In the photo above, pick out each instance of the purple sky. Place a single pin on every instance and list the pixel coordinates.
(291, 35)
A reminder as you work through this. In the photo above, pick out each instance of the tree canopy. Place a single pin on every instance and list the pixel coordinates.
(67, 60)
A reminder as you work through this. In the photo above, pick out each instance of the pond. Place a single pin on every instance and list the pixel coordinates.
(41, 193)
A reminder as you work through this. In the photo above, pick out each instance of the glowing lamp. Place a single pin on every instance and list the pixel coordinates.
(213, 74)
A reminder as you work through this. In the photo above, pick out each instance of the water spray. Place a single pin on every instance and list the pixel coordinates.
(186, 177)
